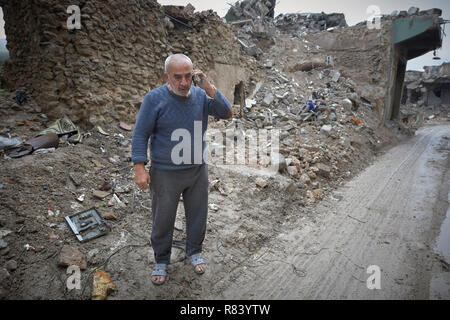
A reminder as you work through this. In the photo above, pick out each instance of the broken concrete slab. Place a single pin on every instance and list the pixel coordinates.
(292, 171)
(326, 129)
(71, 256)
(323, 170)
(100, 194)
(277, 160)
(262, 183)
(109, 215)
(268, 99)
(335, 75)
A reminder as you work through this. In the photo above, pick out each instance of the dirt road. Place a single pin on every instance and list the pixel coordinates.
(388, 216)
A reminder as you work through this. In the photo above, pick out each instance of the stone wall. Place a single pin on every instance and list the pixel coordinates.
(103, 70)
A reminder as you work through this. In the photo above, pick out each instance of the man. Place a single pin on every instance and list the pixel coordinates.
(176, 109)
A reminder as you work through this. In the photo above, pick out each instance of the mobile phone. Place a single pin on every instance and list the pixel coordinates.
(195, 80)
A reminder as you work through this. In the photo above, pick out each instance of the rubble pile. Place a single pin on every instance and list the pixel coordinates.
(411, 12)
(327, 130)
(257, 26)
(300, 24)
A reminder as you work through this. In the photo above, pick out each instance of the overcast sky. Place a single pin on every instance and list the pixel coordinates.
(355, 11)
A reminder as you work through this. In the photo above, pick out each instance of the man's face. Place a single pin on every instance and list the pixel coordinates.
(179, 77)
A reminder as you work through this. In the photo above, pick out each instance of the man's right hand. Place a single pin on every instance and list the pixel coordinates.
(141, 176)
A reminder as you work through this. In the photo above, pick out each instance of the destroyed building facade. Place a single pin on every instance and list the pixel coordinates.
(376, 58)
(105, 68)
(429, 87)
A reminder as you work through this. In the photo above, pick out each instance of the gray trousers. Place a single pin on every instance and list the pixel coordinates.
(166, 186)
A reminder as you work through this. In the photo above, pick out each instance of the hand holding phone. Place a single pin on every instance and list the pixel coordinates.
(195, 80)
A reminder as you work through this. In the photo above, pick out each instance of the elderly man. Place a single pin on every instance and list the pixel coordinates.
(172, 111)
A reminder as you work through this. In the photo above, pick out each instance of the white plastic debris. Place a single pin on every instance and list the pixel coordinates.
(103, 132)
(29, 248)
(45, 150)
(213, 206)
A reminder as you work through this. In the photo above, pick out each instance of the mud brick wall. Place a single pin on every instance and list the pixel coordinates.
(103, 70)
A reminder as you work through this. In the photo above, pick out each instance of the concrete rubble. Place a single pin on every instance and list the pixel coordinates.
(426, 94)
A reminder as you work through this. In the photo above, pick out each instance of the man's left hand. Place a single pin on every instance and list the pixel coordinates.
(204, 83)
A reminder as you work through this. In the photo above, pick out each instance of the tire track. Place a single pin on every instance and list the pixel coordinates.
(384, 218)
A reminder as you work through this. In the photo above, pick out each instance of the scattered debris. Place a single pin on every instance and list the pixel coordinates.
(4, 233)
(11, 265)
(65, 129)
(6, 143)
(102, 131)
(44, 150)
(20, 97)
(100, 194)
(262, 183)
(109, 215)
(355, 120)
(81, 198)
(71, 256)
(50, 140)
(76, 178)
(106, 186)
(29, 247)
(87, 225)
(125, 126)
(102, 285)
(213, 207)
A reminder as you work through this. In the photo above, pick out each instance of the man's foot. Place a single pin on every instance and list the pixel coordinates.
(198, 263)
(159, 274)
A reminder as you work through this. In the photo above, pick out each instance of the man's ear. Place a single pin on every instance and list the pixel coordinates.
(166, 77)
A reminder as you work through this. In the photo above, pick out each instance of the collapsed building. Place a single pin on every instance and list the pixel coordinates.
(376, 58)
(429, 87)
(103, 69)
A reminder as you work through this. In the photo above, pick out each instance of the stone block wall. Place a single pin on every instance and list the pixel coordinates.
(103, 70)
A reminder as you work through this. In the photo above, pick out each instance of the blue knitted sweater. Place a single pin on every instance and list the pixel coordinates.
(175, 126)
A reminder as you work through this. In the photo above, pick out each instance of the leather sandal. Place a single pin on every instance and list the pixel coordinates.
(159, 270)
(196, 259)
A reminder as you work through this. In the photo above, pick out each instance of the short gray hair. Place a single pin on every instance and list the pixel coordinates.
(176, 56)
